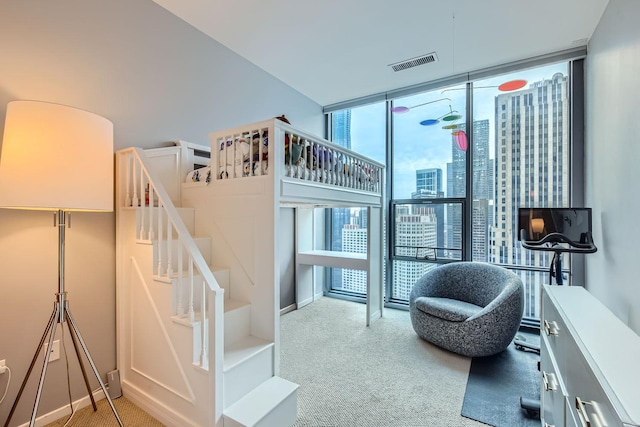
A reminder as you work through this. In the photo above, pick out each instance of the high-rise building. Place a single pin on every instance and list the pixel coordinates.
(482, 190)
(532, 159)
(341, 135)
(482, 165)
(429, 180)
(414, 230)
(354, 239)
(429, 186)
(341, 132)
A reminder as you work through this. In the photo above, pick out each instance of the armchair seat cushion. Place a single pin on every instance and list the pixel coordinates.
(447, 308)
(470, 308)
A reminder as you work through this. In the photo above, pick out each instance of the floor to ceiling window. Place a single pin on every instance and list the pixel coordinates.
(523, 138)
(428, 180)
(361, 129)
(462, 158)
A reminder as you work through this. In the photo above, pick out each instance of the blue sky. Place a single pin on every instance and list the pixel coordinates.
(421, 147)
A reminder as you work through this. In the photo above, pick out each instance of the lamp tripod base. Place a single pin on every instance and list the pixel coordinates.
(61, 314)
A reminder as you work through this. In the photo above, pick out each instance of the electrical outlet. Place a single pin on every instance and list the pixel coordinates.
(3, 366)
(55, 350)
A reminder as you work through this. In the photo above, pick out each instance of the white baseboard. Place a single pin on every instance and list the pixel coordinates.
(288, 309)
(50, 417)
(304, 302)
(153, 407)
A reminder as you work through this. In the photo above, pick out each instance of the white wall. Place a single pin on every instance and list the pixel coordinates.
(157, 79)
(611, 161)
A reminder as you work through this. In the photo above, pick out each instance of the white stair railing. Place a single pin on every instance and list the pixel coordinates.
(156, 211)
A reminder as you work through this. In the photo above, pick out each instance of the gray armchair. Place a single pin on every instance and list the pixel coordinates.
(471, 308)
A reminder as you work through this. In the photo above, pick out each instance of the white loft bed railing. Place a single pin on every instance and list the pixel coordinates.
(158, 220)
(249, 151)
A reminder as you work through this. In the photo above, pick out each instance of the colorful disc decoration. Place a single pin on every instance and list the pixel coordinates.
(461, 140)
(429, 122)
(399, 110)
(451, 117)
(450, 127)
(512, 85)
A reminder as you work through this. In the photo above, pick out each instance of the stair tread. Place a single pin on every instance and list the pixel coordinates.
(260, 401)
(177, 240)
(243, 349)
(213, 268)
(185, 273)
(233, 304)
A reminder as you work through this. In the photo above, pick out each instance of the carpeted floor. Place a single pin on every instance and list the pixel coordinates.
(351, 375)
(130, 415)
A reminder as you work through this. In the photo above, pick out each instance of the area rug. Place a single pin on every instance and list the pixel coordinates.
(496, 384)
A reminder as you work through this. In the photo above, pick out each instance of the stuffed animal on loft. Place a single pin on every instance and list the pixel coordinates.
(283, 119)
(296, 149)
(256, 146)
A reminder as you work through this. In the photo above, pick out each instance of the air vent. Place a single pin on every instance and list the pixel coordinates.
(414, 62)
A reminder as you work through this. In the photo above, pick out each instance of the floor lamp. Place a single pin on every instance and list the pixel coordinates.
(57, 158)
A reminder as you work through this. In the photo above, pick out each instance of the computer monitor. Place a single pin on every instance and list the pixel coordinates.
(574, 224)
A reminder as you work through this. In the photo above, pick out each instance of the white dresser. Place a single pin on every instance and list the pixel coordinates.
(589, 362)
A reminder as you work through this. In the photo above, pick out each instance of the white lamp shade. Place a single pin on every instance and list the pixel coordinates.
(56, 157)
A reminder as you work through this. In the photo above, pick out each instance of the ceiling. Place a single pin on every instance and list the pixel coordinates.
(337, 50)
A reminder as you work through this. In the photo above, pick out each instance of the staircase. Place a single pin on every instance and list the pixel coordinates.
(187, 353)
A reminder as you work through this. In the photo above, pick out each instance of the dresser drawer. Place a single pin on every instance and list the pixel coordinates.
(552, 389)
(552, 327)
(596, 358)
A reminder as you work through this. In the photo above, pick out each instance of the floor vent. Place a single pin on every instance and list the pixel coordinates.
(414, 62)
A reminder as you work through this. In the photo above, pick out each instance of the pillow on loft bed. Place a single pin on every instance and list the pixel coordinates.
(291, 143)
(199, 175)
(296, 153)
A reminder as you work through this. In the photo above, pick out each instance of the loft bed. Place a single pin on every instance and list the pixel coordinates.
(311, 170)
(256, 169)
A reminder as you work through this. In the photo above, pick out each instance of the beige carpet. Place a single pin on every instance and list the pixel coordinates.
(130, 415)
(351, 375)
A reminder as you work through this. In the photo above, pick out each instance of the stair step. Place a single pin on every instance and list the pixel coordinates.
(195, 332)
(243, 350)
(220, 273)
(187, 215)
(234, 304)
(237, 321)
(203, 244)
(247, 364)
(272, 404)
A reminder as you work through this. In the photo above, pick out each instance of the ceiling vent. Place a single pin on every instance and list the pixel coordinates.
(414, 62)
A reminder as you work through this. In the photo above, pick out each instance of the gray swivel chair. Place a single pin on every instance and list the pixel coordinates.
(470, 308)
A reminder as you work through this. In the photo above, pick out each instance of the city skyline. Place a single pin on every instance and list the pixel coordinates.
(368, 127)
(520, 158)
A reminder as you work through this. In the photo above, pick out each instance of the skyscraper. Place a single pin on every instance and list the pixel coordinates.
(532, 158)
(354, 239)
(341, 135)
(414, 229)
(429, 186)
(482, 190)
(429, 180)
(342, 128)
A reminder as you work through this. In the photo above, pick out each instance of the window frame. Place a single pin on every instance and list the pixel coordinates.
(575, 86)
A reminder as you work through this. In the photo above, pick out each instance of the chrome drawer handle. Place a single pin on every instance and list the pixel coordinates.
(549, 330)
(584, 417)
(549, 425)
(547, 384)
